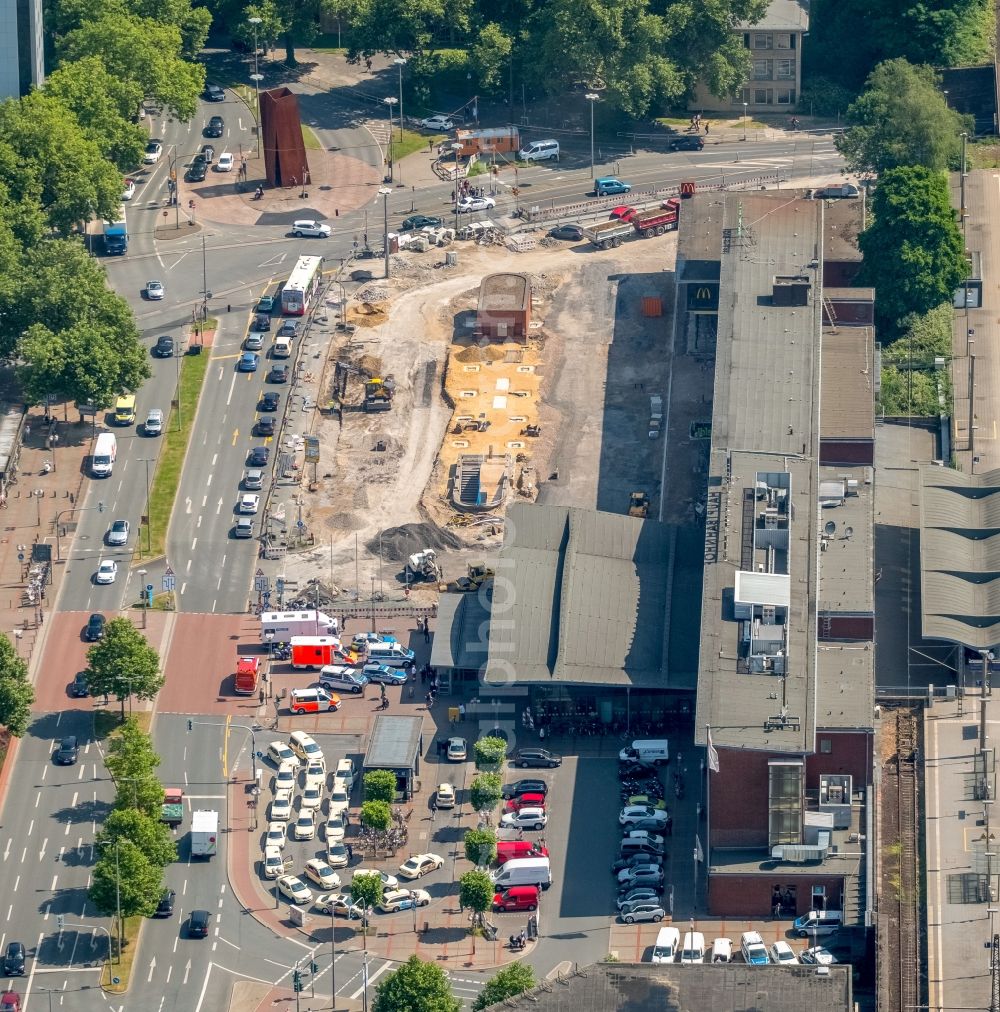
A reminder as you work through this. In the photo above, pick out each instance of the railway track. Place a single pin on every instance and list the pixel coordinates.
(907, 921)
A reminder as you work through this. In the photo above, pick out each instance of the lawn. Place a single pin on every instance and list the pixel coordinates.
(122, 970)
(309, 138)
(166, 479)
(107, 722)
(412, 141)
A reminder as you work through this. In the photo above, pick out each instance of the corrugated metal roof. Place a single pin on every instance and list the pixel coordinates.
(763, 588)
(394, 743)
(959, 552)
(461, 637)
(584, 597)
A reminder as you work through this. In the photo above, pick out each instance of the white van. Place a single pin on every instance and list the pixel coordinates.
(342, 678)
(393, 654)
(722, 950)
(649, 750)
(668, 940)
(540, 151)
(693, 950)
(282, 348)
(102, 461)
(818, 922)
(524, 871)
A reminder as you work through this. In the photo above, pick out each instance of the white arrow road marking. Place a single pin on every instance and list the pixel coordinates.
(152, 967)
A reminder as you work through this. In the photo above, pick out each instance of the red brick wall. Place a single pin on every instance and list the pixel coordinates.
(845, 627)
(738, 804)
(845, 452)
(851, 753)
(750, 895)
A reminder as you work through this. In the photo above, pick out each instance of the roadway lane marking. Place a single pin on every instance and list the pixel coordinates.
(6, 851)
(31, 826)
(236, 435)
(198, 525)
(183, 587)
(62, 850)
(79, 775)
(52, 889)
(45, 843)
(188, 570)
(218, 509)
(17, 882)
(204, 501)
(194, 544)
(215, 457)
(371, 977)
(152, 968)
(232, 387)
(170, 969)
(210, 477)
(226, 940)
(31, 976)
(187, 503)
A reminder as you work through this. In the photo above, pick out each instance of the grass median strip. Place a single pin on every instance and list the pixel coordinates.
(167, 477)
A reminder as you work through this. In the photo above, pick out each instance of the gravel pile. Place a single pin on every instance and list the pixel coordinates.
(399, 543)
(372, 293)
(541, 284)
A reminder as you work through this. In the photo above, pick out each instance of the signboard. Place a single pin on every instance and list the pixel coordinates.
(261, 584)
(312, 449)
(169, 580)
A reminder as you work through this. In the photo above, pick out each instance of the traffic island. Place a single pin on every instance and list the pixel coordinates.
(117, 972)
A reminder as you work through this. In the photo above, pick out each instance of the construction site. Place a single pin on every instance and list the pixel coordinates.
(432, 416)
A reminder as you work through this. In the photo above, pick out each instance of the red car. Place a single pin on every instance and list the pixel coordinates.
(508, 850)
(525, 801)
(622, 213)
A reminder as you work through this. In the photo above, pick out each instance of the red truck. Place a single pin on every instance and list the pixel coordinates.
(663, 219)
(318, 651)
(247, 676)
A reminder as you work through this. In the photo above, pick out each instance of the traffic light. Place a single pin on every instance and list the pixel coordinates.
(297, 984)
(60, 921)
(313, 966)
(100, 507)
(190, 724)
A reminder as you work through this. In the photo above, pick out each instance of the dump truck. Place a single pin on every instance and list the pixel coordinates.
(204, 834)
(378, 393)
(422, 566)
(172, 809)
(663, 219)
(638, 504)
(247, 676)
(478, 574)
(606, 234)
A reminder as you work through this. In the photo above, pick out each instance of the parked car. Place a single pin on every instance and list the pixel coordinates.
(281, 807)
(522, 787)
(635, 813)
(277, 835)
(384, 675)
(294, 889)
(817, 955)
(527, 818)
(646, 911)
(321, 873)
(573, 233)
(642, 874)
(420, 865)
(539, 758)
(225, 162)
(445, 796)
(457, 750)
(782, 954)
(403, 899)
(438, 123)
(338, 904)
(637, 895)
(278, 752)
(310, 229)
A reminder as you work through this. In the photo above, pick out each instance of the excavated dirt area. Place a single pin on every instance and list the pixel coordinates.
(388, 471)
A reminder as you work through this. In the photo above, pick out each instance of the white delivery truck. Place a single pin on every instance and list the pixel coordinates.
(283, 625)
(523, 871)
(204, 834)
(102, 461)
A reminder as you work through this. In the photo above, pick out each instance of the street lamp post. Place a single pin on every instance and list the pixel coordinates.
(744, 121)
(256, 77)
(592, 98)
(145, 602)
(384, 192)
(38, 494)
(400, 62)
(149, 513)
(390, 101)
(118, 896)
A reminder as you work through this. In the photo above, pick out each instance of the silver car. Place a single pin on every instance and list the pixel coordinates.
(312, 229)
(118, 533)
(253, 479)
(646, 911)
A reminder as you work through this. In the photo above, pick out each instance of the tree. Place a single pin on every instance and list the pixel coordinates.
(913, 250)
(103, 106)
(487, 789)
(415, 987)
(376, 815)
(132, 761)
(489, 56)
(52, 163)
(902, 119)
(481, 846)
(16, 692)
(511, 981)
(150, 835)
(142, 50)
(124, 664)
(923, 339)
(273, 23)
(475, 891)
(124, 879)
(380, 785)
(490, 753)
(366, 889)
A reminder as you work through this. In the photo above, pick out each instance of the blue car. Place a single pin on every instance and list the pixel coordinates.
(384, 674)
(249, 361)
(609, 185)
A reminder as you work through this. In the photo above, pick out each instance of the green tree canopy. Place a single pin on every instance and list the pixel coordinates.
(16, 692)
(913, 251)
(51, 162)
(415, 987)
(367, 889)
(480, 846)
(376, 815)
(476, 891)
(63, 16)
(123, 874)
(487, 789)
(132, 761)
(150, 835)
(143, 51)
(922, 339)
(490, 753)
(380, 785)
(507, 983)
(941, 33)
(902, 119)
(103, 106)
(123, 664)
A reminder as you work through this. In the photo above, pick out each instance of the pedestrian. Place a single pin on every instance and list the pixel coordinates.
(381, 692)
(461, 712)
(423, 675)
(430, 144)
(350, 852)
(427, 632)
(261, 696)
(706, 128)
(434, 804)
(429, 698)
(541, 734)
